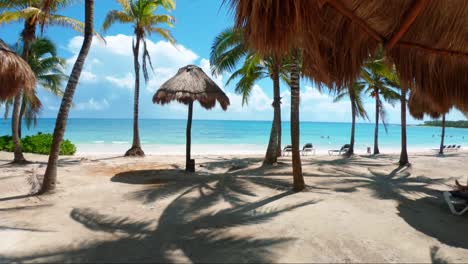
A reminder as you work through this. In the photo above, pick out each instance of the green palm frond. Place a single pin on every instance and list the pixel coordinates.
(161, 19)
(163, 33)
(67, 22)
(342, 94)
(383, 115)
(226, 51)
(115, 16)
(125, 4)
(22, 14)
(33, 107)
(169, 5)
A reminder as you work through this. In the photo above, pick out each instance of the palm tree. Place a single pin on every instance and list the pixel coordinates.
(404, 160)
(32, 13)
(50, 175)
(227, 51)
(141, 14)
(357, 108)
(48, 68)
(378, 78)
(298, 178)
(442, 137)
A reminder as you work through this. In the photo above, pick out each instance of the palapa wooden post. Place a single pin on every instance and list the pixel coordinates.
(189, 163)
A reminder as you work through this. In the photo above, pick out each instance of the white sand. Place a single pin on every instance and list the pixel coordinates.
(114, 209)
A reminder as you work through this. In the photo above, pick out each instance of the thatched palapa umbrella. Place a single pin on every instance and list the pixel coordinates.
(188, 85)
(15, 73)
(426, 39)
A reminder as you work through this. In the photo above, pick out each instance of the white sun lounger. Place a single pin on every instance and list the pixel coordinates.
(452, 201)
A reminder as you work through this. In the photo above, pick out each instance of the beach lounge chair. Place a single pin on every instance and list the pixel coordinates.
(308, 148)
(287, 149)
(456, 201)
(343, 150)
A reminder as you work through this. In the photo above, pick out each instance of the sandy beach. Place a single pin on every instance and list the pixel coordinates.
(114, 209)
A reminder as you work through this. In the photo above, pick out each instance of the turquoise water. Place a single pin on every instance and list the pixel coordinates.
(214, 132)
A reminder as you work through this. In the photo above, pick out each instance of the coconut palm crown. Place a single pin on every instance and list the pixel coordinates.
(142, 15)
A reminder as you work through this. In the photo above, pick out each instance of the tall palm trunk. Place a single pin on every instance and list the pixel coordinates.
(441, 150)
(271, 155)
(353, 121)
(21, 115)
(404, 151)
(280, 129)
(377, 113)
(136, 150)
(50, 175)
(298, 179)
(28, 34)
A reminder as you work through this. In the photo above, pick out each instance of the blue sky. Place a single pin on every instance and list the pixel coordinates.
(106, 85)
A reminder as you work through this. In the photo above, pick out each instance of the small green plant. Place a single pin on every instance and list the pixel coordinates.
(38, 144)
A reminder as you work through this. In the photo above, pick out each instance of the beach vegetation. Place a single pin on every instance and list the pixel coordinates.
(142, 15)
(440, 123)
(37, 144)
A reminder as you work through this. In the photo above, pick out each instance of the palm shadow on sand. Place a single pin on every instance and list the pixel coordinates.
(188, 230)
(427, 213)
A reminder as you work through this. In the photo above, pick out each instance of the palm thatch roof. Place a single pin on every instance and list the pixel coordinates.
(15, 73)
(191, 84)
(427, 40)
(418, 106)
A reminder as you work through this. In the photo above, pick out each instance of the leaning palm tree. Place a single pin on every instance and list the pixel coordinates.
(141, 14)
(33, 14)
(50, 175)
(378, 75)
(227, 51)
(357, 107)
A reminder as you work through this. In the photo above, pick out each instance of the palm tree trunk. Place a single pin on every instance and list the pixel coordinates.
(188, 143)
(404, 151)
(298, 179)
(28, 34)
(280, 129)
(377, 113)
(271, 155)
(353, 122)
(136, 150)
(50, 175)
(441, 150)
(21, 115)
(15, 119)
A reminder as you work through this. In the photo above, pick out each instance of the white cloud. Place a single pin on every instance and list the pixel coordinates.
(107, 61)
(127, 81)
(87, 76)
(92, 104)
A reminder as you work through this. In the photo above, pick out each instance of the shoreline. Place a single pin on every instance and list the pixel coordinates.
(219, 149)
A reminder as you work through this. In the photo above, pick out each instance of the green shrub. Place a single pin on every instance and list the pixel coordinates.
(38, 144)
(6, 143)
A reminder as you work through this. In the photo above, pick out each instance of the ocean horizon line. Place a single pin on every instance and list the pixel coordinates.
(215, 120)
